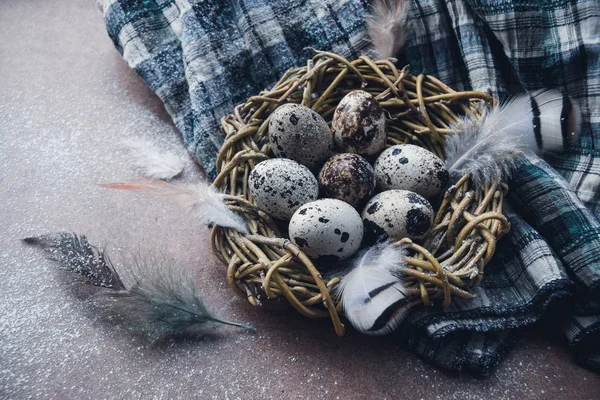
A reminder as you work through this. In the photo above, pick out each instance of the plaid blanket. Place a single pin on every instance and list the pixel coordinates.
(204, 57)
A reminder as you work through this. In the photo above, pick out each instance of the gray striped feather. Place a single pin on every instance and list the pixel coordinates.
(526, 124)
(373, 297)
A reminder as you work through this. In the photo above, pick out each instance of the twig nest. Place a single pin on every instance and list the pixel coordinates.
(264, 265)
(300, 134)
(413, 168)
(347, 177)
(396, 214)
(359, 124)
(279, 186)
(328, 230)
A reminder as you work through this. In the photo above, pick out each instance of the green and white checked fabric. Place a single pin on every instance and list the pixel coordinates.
(204, 57)
(515, 46)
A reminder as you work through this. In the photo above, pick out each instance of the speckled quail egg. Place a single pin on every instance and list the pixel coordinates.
(347, 177)
(396, 214)
(410, 167)
(359, 124)
(279, 186)
(328, 230)
(298, 133)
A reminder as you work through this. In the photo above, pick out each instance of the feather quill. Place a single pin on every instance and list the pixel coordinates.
(208, 204)
(373, 297)
(152, 161)
(160, 303)
(386, 27)
(524, 125)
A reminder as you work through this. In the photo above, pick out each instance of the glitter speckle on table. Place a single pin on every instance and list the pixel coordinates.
(67, 102)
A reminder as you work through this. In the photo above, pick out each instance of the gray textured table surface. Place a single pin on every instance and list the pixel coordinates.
(66, 101)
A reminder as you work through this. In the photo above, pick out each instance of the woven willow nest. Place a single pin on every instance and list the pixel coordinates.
(265, 265)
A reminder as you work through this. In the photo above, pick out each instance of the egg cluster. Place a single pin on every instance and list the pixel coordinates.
(324, 184)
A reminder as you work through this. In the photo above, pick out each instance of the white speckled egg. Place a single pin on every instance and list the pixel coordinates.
(396, 214)
(328, 230)
(279, 186)
(359, 124)
(410, 167)
(298, 133)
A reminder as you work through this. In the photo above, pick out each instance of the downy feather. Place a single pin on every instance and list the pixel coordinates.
(161, 301)
(152, 161)
(208, 204)
(386, 27)
(373, 296)
(526, 124)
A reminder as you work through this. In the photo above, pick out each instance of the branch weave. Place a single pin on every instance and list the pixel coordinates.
(419, 110)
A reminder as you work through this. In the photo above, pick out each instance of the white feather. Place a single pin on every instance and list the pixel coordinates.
(208, 204)
(373, 297)
(491, 146)
(386, 25)
(152, 161)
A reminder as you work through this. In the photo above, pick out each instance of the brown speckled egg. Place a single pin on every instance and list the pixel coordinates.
(410, 167)
(359, 124)
(300, 134)
(279, 186)
(347, 177)
(396, 214)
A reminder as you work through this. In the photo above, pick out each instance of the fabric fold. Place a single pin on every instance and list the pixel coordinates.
(553, 208)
